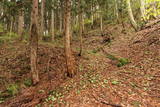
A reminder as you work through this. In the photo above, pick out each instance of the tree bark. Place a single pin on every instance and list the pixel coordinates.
(116, 12)
(68, 52)
(60, 21)
(34, 42)
(11, 25)
(42, 18)
(83, 25)
(121, 12)
(92, 16)
(133, 22)
(1, 10)
(101, 23)
(52, 25)
(80, 28)
(142, 8)
(21, 24)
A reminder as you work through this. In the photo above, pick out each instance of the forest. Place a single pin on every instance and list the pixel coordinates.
(79, 53)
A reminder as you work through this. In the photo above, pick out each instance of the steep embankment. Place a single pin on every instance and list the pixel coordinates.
(123, 72)
(15, 73)
(103, 84)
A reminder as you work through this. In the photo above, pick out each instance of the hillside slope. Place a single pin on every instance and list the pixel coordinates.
(124, 72)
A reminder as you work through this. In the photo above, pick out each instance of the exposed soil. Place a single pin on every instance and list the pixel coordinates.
(99, 81)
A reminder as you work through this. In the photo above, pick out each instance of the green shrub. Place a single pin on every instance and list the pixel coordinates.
(94, 51)
(122, 62)
(28, 82)
(112, 57)
(12, 89)
(87, 21)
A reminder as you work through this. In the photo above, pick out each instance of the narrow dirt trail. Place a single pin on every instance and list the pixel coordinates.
(127, 86)
(99, 81)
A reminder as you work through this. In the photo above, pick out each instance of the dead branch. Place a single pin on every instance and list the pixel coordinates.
(155, 29)
(106, 103)
(152, 23)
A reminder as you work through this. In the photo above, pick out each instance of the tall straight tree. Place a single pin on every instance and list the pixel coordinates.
(101, 20)
(52, 25)
(20, 23)
(34, 42)
(11, 25)
(42, 17)
(142, 2)
(80, 26)
(133, 22)
(116, 11)
(68, 52)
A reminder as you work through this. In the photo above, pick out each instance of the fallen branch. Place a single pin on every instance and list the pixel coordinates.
(150, 24)
(106, 103)
(152, 30)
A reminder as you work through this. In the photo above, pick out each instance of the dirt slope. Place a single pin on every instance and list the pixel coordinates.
(99, 82)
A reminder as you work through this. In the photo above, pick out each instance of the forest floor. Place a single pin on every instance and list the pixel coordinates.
(122, 73)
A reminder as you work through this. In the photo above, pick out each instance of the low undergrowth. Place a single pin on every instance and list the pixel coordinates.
(120, 61)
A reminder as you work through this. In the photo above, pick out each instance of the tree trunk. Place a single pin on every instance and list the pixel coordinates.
(69, 56)
(52, 25)
(34, 42)
(121, 12)
(42, 18)
(83, 25)
(50, 21)
(101, 23)
(142, 9)
(133, 22)
(1, 10)
(116, 12)
(60, 21)
(11, 25)
(92, 16)
(80, 28)
(20, 24)
(46, 20)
